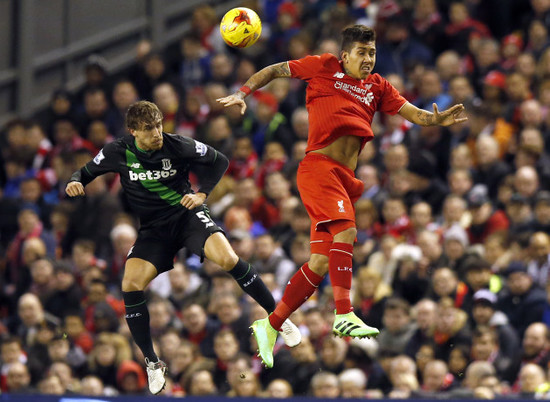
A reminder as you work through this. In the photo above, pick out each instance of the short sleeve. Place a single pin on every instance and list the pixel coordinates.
(305, 68)
(391, 100)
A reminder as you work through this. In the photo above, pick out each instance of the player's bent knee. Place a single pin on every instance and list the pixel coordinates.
(346, 236)
(318, 264)
(137, 274)
(228, 261)
(131, 285)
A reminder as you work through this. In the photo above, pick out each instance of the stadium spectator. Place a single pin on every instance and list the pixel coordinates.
(325, 385)
(93, 386)
(18, 380)
(522, 300)
(398, 328)
(201, 383)
(279, 389)
(271, 258)
(535, 345)
(333, 354)
(198, 328)
(451, 328)
(424, 316)
(485, 219)
(485, 347)
(531, 378)
(306, 365)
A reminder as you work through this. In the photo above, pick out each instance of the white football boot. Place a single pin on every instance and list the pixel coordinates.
(290, 333)
(155, 375)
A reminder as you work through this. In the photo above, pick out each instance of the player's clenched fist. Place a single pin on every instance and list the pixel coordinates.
(74, 188)
(192, 201)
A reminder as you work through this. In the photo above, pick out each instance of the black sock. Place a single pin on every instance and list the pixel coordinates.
(137, 317)
(249, 280)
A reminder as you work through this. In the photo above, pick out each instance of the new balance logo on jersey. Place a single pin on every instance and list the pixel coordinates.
(339, 75)
(151, 174)
(341, 206)
(345, 269)
(135, 165)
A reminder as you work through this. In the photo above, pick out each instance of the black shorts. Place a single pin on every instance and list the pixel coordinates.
(159, 242)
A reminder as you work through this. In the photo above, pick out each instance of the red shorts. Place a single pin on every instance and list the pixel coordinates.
(328, 190)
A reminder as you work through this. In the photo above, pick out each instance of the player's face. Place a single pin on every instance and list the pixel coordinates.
(149, 136)
(359, 61)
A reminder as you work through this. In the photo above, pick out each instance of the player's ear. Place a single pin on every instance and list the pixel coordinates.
(344, 56)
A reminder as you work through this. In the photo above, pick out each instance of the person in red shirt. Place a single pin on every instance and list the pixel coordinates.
(486, 219)
(342, 97)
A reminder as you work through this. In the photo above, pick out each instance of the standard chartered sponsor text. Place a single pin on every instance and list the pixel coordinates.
(359, 93)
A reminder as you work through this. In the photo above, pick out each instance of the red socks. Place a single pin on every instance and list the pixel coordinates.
(340, 271)
(299, 288)
(304, 282)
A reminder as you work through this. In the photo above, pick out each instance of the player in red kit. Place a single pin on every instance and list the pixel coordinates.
(342, 97)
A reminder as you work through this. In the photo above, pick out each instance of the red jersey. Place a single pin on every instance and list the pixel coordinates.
(340, 105)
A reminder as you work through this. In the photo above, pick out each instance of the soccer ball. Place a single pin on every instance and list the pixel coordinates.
(240, 27)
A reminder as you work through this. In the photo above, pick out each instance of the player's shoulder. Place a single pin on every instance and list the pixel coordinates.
(328, 64)
(329, 60)
(375, 78)
(177, 139)
(112, 150)
(182, 145)
(325, 59)
(119, 144)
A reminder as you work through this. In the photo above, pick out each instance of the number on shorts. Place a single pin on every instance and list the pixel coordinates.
(205, 219)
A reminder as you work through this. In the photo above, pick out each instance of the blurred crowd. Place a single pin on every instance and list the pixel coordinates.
(452, 258)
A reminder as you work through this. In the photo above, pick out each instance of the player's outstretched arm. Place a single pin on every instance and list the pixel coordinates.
(74, 188)
(256, 81)
(424, 118)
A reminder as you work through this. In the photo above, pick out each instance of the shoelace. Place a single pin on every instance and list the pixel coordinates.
(155, 366)
(287, 329)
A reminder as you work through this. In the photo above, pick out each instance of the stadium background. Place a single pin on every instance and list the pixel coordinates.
(490, 55)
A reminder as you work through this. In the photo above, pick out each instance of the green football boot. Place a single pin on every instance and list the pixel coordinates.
(265, 336)
(350, 325)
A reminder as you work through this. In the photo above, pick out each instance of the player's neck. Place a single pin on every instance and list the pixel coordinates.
(350, 74)
(139, 148)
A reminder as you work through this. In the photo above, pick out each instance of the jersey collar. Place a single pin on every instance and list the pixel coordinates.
(141, 150)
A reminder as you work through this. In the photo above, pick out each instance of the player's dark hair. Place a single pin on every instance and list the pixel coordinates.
(142, 113)
(356, 33)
